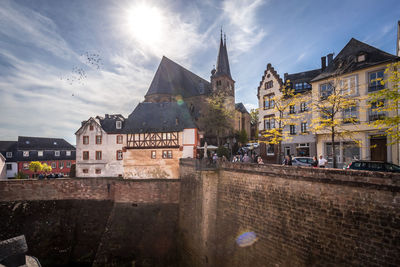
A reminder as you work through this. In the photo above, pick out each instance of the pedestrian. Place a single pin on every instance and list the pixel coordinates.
(215, 158)
(246, 158)
(322, 162)
(314, 163)
(287, 161)
(259, 160)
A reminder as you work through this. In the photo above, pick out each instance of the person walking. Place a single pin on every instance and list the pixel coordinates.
(322, 162)
(287, 161)
(314, 164)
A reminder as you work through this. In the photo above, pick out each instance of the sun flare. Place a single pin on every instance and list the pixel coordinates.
(145, 23)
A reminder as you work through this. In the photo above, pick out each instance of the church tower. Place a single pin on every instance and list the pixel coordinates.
(221, 79)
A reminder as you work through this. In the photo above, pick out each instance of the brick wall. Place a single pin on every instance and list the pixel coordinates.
(301, 216)
(118, 190)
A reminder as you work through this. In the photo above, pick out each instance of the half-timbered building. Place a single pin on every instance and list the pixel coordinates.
(158, 135)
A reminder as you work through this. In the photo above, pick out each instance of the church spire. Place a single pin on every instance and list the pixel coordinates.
(222, 60)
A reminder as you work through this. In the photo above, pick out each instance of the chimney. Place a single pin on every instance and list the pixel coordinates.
(323, 63)
(330, 58)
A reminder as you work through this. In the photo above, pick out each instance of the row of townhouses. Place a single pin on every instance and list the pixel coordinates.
(168, 125)
(357, 66)
(17, 155)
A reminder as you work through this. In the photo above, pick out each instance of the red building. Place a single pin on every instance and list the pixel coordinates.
(55, 152)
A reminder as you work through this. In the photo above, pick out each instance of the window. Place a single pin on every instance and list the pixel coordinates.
(269, 84)
(57, 153)
(167, 154)
(98, 139)
(119, 155)
(85, 155)
(61, 164)
(349, 85)
(270, 149)
(85, 171)
(201, 88)
(91, 127)
(54, 165)
(375, 112)
(325, 90)
(98, 171)
(361, 58)
(269, 101)
(153, 154)
(85, 140)
(269, 123)
(120, 139)
(9, 166)
(292, 109)
(118, 124)
(68, 164)
(304, 127)
(292, 129)
(8, 154)
(303, 106)
(98, 155)
(350, 114)
(219, 83)
(375, 79)
(68, 153)
(25, 153)
(26, 166)
(40, 153)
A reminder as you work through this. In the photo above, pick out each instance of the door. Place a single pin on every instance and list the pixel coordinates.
(287, 151)
(378, 148)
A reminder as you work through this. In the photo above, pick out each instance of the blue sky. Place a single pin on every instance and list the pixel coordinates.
(48, 86)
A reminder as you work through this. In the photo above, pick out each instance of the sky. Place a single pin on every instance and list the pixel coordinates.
(62, 62)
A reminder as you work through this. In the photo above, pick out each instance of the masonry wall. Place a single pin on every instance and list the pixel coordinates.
(300, 216)
(93, 221)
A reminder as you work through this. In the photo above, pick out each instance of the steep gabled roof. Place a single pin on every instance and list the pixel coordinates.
(43, 143)
(222, 61)
(158, 117)
(9, 146)
(274, 73)
(173, 79)
(240, 107)
(302, 77)
(109, 123)
(346, 60)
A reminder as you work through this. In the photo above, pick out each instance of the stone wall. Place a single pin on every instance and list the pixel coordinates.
(300, 216)
(94, 221)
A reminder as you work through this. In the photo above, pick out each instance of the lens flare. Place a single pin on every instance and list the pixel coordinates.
(246, 239)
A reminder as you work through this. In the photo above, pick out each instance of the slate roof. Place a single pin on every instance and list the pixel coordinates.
(47, 155)
(222, 61)
(108, 123)
(305, 76)
(9, 146)
(346, 60)
(43, 143)
(158, 117)
(173, 79)
(240, 107)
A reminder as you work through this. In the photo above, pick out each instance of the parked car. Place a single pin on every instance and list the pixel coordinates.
(302, 161)
(373, 166)
(254, 145)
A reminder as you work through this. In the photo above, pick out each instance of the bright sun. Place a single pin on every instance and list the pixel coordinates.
(146, 23)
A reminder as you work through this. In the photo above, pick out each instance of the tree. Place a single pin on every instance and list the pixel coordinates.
(242, 137)
(46, 168)
(391, 96)
(20, 175)
(35, 166)
(282, 118)
(218, 120)
(327, 113)
(254, 123)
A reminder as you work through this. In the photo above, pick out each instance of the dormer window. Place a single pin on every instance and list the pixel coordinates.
(25, 153)
(361, 57)
(57, 153)
(118, 124)
(40, 153)
(8, 154)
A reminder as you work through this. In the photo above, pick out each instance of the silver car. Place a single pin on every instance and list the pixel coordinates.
(302, 161)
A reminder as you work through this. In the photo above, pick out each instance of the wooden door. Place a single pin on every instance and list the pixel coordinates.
(378, 149)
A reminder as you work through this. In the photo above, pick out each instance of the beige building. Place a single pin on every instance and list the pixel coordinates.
(158, 135)
(242, 119)
(356, 69)
(99, 147)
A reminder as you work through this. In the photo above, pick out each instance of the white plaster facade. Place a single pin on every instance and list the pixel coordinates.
(3, 170)
(108, 165)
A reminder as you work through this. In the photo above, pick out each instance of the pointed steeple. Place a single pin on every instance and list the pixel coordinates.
(222, 60)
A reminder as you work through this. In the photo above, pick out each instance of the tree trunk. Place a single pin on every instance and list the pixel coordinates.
(333, 149)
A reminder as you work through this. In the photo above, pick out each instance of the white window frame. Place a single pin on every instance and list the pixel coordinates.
(61, 165)
(25, 166)
(9, 154)
(25, 154)
(68, 153)
(347, 80)
(40, 153)
(324, 94)
(54, 165)
(268, 153)
(68, 164)
(304, 127)
(118, 124)
(57, 153)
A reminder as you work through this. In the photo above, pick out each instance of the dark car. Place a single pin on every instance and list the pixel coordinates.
(373, 166)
